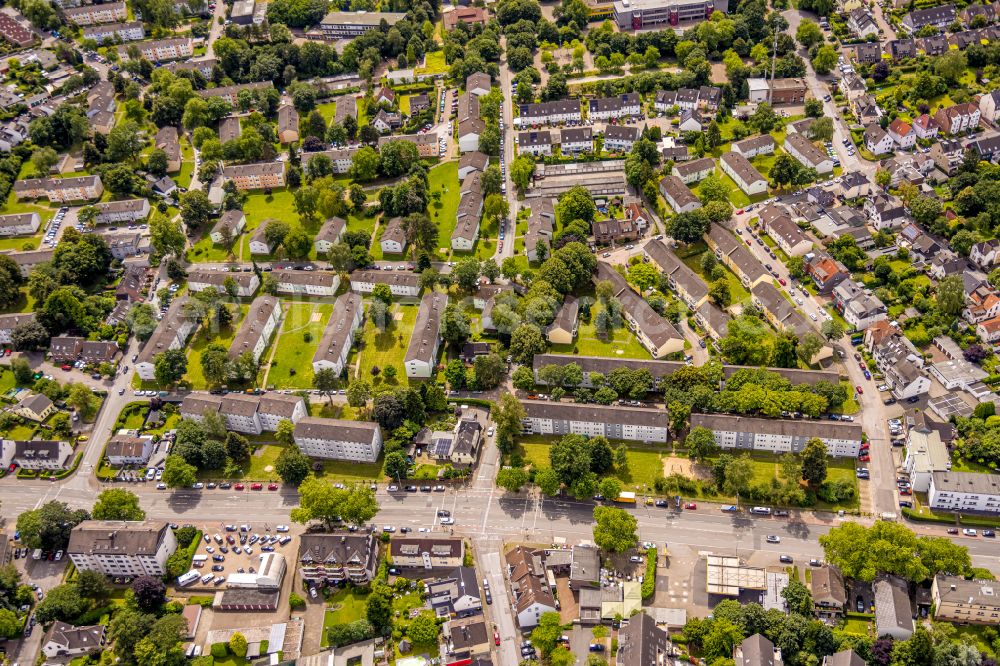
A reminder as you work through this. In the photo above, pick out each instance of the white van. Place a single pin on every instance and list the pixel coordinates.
(187, 579)
(761, 511)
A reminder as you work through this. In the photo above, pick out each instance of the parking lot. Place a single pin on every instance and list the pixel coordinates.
(229, 549)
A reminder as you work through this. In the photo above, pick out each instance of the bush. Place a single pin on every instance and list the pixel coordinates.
(649, 580)
(354, 632)
(185, 535)
(238, 644)
(220, 650)
(295, 601)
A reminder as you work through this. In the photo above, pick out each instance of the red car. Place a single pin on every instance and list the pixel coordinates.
(864, 457)
(782, 282)
(861, 364)
(859, 389)
(238, 486)
(256, 486)
(691, 505)
(739, 212)
(905, 491)
(272, 486)
(12, 467)
(496, 638)
(65, 367)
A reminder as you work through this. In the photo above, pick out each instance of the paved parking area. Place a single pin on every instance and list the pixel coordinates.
(237, 556)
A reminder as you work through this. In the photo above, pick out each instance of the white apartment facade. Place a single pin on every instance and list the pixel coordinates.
(122, 548)
(780, 435)
(333, 439)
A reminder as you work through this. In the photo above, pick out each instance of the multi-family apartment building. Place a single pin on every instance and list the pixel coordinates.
(200, 279)
(37, 454)
(347, 25)
(427, 144)
(248, 414)
(678, 195)
(427, 552)
(162, 50)
(744, 174)
(60, 190)
(340, 158)
(694, 170)
(535, 142)
(965, 601)
(620, 138)
(231, 93)
(762, 144)
(9, 322)
(859, 307)
(619, 106)
(338, 558)
(401, 283)
(307, 283)
(335, 345)
(658, 14)
(256, 328)
(425, 341)
(548, 113)
(122, 548)
(329, 234)
(877, 140)
(964, 491)
(167, 141)
(128, 450)
(576, 140)
(780, 227)
(125, 211)
(958, 118)
(628, 423)
(20, 224)
(126, 32)
(780, 435)
(109, 12)
(777, 92)
(230, 225)
(335, 439)
(259, 242)
(655, 333)
(393, 240)
(171, 333)
(736, 256)
(262, 175)
(468, 214)
(940, 17)
(806, 152)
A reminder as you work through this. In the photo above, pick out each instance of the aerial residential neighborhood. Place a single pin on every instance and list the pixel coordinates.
(507, 333)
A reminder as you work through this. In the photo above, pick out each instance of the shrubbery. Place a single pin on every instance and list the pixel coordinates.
(220, 650)
(345, 634)
(649, 580)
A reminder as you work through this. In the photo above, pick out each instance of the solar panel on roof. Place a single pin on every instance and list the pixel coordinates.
(441, 446)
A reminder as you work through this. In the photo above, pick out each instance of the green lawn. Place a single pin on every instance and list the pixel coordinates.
(858, 624)
(434, 63)
(767, 467)
(622, 342)
(344, 607)
(328, 111)
(20, 432)
(183, 178)
(24, 303)
(404, 104)
(645, 462)
(264, 456)
(387, 348)
(208, 252)
(201, 340)
(6, 380)
(293, 354)
(279, 205)
(444, 180)
(348, 472)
